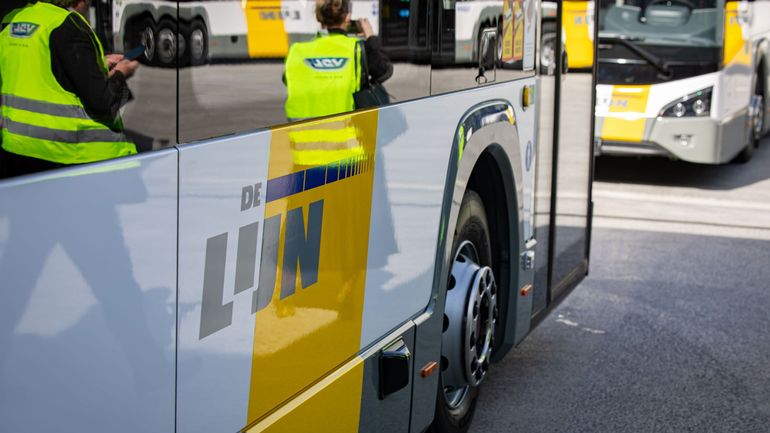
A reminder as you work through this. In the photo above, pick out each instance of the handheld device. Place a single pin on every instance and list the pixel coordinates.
(354, 27)
(134, 53)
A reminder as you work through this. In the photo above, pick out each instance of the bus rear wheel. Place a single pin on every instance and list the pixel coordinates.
(470, 315)
(757, 119)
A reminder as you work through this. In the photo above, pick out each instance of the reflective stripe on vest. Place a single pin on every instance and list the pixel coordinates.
(321, 76)
(325, 142)
(41, 119)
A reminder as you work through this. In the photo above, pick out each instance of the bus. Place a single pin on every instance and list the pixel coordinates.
(215, 282)
(684, 80)
(200, 31)
(577, 27)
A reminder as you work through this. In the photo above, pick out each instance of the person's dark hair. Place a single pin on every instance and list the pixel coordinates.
(332, 13)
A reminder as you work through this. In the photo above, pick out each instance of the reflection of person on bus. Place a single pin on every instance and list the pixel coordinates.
(322, 74)
(60, 93)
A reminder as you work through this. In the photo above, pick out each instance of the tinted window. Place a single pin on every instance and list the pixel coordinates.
(482, 42)
(236, 76)
(116, 116)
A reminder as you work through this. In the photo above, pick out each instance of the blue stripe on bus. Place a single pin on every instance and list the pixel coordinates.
(315, 177)
(285, 186)
(295, 183)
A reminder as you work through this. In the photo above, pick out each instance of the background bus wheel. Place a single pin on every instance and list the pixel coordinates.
(548, 52)
(142, 33)
(470, 315)
(757, 114)
(167, 43)
(198, 42)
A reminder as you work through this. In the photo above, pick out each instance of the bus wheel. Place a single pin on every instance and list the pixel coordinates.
(548, 52)
(199, 43)
(167, 43)
(141, 33)
(757, 117)
(470, 316)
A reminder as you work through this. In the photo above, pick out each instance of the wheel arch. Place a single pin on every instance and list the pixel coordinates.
(485, 137)
(485, 153)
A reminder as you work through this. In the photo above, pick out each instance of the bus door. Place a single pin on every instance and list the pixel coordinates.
(565, 166)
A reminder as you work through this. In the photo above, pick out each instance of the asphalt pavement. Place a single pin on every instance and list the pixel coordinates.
(670, 331)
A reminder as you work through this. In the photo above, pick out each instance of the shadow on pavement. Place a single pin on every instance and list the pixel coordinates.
(667, 334)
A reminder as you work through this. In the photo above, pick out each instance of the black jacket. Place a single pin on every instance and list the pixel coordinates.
(379, 65)
(73, 53)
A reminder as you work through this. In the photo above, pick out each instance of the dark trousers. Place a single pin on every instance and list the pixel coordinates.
(12, 165)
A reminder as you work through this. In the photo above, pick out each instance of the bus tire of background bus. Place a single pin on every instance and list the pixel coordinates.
(470, 273)
(168, 43)
(142, 32)
(757, 118)
(198, 43)
(548, 52)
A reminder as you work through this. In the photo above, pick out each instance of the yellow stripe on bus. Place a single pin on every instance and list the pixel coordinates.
(330, 406)
(626, 119)
(736, 48)
(266, 32)
(315, 330)
(579, 40)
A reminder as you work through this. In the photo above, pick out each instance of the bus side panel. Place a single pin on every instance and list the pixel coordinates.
(221, 208)
(88, 299)
(414, 148)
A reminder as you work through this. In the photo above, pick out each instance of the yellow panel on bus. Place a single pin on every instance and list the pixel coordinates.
(266, 32)
(577, 19)
(311, 323)
(626, 120)
(736, 48)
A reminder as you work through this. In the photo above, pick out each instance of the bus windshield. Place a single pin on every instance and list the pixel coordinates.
(694, 23)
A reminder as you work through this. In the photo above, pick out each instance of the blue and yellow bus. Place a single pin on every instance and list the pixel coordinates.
(212, 283)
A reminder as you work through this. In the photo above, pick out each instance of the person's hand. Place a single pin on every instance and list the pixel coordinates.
(112, 60)
(366, 28)
(125, 67)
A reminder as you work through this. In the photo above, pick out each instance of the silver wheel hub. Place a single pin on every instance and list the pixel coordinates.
(548, 51)
(196, 44)
(757, 115)
(148, 40)
(167, 45)
(469, 325)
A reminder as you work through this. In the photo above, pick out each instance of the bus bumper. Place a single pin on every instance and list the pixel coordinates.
(692, 139)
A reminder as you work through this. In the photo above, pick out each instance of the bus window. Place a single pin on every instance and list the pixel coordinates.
(130, 109)
(237, 73)
(489, 40)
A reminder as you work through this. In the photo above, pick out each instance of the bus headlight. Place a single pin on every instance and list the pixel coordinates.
(692, 105)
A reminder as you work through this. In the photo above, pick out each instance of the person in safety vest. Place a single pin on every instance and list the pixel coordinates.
(60, 94)
(322, 74)
(321, 77)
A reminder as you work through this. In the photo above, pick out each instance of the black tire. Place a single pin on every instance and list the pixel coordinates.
(142, 32)
(548, 46)
(754, 136)
(198, 43)
(471, 226)
(166, 43)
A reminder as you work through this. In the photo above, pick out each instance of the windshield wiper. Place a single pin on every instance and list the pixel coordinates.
(659, 64)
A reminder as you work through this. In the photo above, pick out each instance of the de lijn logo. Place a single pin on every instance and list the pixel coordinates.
(23, 30)
(327, 63)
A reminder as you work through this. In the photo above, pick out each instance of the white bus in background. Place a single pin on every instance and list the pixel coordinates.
(683, 79)
(218, 29)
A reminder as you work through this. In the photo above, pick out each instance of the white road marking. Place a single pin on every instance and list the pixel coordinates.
(564, 320)
(680, 199)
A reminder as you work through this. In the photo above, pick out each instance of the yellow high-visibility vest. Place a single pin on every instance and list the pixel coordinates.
(40, 118)
(321, 77)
